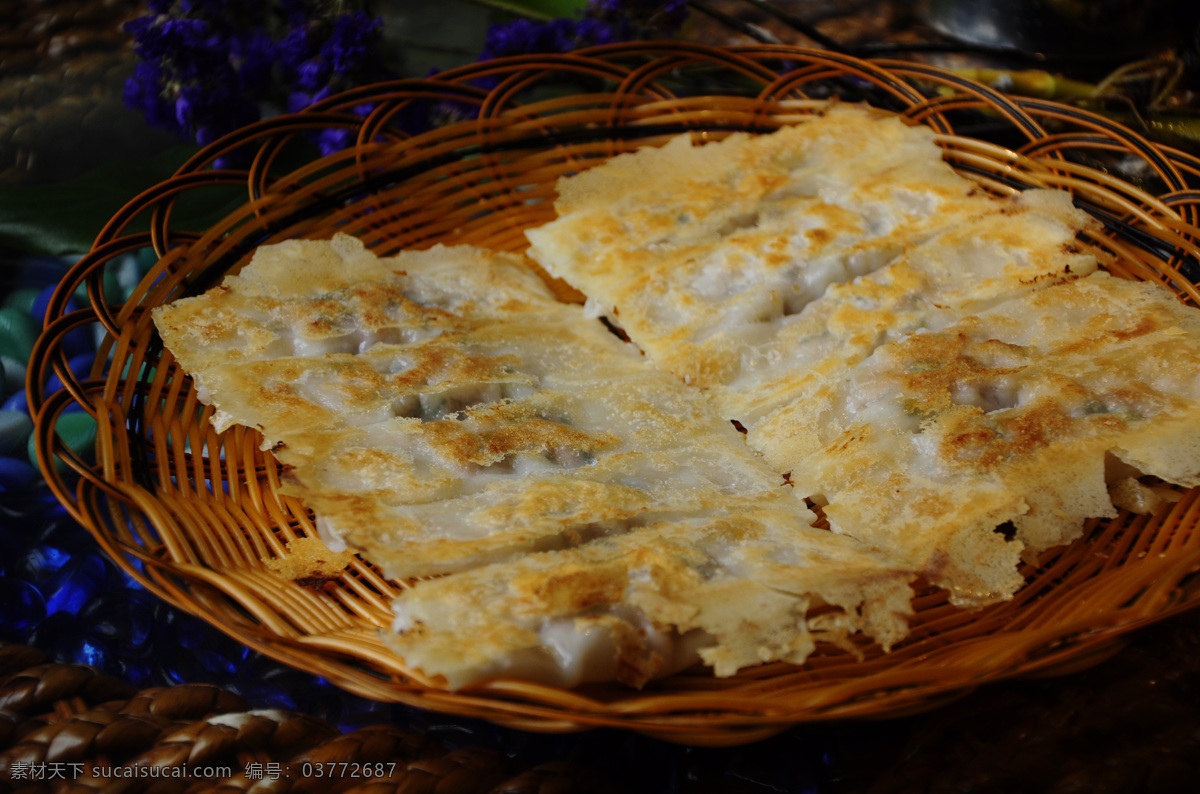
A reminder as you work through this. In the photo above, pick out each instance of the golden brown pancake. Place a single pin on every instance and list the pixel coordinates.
(707, 250)
(1018, 414)
(737, 589)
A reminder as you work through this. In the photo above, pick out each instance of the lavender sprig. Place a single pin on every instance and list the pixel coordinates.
(602, 22)
(207, 67)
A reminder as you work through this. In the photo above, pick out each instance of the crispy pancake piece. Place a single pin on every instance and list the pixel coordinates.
(442, 411)
(304, 300)
(732, 591)
(940, 437)
(705, 250)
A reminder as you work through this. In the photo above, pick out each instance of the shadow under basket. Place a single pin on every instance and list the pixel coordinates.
(198, 518)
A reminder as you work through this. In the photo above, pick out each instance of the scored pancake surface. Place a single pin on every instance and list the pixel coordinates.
(1023, 413)
(1026, 244)
(706, 250)
(735, 588)
(441, 411)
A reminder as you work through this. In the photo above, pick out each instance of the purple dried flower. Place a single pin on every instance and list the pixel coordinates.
(189, 45)
(183, 110)
(207, 65)
(299, 100)
(334, 139)
(605, 21)
(508, 38)
(661, 16)
(312, 55)
(313, 73)
(558, 35)
(186, 79)
(144, 92)
(205, 136)
(523, 37)
(253, 55)
(296, 47)
(596, 31)
(349, 44)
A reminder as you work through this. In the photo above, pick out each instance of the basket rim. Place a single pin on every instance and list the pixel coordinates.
(689, 708)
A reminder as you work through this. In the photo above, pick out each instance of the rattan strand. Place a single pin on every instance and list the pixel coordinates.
(196, 516)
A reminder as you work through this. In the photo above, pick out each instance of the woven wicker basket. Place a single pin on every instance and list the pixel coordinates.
(197, 517)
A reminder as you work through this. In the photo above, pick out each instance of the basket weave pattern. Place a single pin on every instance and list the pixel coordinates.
(197, 516)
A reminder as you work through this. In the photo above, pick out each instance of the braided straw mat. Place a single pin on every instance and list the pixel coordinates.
(198, 519)
(68, 727)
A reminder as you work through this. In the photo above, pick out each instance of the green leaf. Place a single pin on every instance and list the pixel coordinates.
(538, 9)
(65, 218)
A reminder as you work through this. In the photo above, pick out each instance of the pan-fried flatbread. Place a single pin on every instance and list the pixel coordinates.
(440, 430)
(1016, 414)
(736, 589)
(442, 411)
(707, 250)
